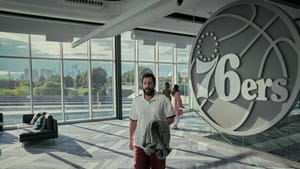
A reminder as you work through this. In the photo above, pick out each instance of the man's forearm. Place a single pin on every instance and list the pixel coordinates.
(132, 128)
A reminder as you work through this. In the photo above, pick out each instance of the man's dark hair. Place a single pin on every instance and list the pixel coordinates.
(167, 85)
(146, 75)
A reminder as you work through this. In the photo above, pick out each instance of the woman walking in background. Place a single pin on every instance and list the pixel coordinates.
(177, 105)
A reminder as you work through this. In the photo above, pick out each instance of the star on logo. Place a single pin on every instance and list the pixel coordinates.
(208, 36)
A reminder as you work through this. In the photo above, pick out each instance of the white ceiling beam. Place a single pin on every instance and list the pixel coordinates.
(144, 12)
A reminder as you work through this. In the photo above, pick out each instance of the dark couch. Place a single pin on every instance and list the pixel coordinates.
(49, 130)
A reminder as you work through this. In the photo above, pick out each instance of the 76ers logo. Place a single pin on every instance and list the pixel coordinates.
(245, 68)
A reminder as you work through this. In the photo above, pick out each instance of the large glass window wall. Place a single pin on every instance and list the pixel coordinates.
(77, 83)
(15, 89)
(13, 44)
(128, 86)
(76, 91)
(102, 89)
(46, 85)
(128, 53)
(41, 76)
(40, 48)
(160, 58)
(165, 74)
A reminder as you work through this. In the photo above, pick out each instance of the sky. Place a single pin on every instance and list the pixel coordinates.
(16, 45)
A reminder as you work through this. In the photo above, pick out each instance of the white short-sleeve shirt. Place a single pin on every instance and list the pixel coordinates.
(143, 111)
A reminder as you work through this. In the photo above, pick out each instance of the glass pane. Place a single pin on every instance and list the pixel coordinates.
(165, 52)
(79, 52)
(102, 89)
(47, 87)
(14, 89)
(183, 55)
(13, 44)
(183, 82)
(165, 75)
(76, 90)
(292, 128)
(128, 88)
(102, 48)
(42, 48)
(146, 52)
(127, 46)
(144, 68)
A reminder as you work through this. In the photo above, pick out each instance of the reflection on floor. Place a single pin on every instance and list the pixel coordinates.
(104, 145)
(283, 139)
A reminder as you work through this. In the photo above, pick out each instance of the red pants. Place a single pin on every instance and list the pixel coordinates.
(143, 161)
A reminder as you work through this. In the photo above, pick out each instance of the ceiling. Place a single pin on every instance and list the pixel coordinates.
(62, 20)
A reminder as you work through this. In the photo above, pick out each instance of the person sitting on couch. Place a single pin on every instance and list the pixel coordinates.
(38, 120)
(35, 117)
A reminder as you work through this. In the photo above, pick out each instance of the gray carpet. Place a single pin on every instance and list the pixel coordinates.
(104, 145)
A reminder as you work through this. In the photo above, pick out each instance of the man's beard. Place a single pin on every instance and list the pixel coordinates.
(148, 91)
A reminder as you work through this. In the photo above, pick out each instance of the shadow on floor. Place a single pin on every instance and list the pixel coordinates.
(7, 138)
(61, 144)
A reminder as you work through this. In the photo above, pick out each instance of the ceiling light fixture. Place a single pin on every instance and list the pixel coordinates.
(179, 2)
(150, 38)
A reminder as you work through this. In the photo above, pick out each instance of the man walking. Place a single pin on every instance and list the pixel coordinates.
(147, 107)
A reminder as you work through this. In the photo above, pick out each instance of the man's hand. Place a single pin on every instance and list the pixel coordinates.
(132, 126)
(131, 144)
(170, 120)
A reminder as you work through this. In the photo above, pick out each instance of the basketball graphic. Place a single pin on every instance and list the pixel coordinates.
(244, 67)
